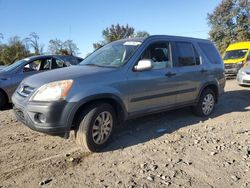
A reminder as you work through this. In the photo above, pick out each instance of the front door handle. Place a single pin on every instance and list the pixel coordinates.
(203, 70)
(170, 74)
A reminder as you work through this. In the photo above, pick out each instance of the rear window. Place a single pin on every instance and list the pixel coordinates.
(187, 55)
(71, 59)
(210, 52)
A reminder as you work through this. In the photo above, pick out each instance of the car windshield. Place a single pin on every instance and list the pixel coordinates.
(14, 65)
(114, 54)
(235, 54)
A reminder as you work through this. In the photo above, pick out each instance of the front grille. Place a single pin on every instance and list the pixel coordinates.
(246, 81)
(25, 90)
(230, 66)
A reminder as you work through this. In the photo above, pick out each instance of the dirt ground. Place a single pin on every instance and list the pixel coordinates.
(171, 149)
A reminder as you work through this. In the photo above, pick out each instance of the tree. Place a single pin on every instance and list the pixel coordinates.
(142, 34)
(98, 45)
(1, 36)
(71, 47)
(113, 33)
(14, 50)
(230, 22)
(55, 46)
(32, 41)
(59, 47)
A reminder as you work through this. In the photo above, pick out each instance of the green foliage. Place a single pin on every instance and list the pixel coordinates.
(99, 44)
(117, 32)
(14, 50)
(17, 48)
(230, 22)
(142, 34)
(71, 47)
(59, 47)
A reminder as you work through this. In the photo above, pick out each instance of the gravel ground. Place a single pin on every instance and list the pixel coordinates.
(171, 149)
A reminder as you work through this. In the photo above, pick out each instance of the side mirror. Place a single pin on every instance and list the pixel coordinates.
(143, 65)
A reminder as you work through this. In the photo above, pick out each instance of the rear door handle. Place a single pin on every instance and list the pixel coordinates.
(203, 70)
(170, 74)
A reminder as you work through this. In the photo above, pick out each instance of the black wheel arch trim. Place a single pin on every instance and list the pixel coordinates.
(211, 83)
(95, 98)
(5, 94)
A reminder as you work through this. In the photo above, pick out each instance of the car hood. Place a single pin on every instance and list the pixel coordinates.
(245, 69)
(72, 72)
(4, 74)
(232, 61)
(2, 67)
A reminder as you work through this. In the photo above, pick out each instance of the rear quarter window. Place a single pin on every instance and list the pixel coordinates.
(210, 52)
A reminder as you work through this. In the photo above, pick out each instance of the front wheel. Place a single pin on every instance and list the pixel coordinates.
(95, 126)
(206, 103)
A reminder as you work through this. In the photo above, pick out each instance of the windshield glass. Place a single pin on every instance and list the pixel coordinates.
(14, 65)
(235, 54)
(114, 54)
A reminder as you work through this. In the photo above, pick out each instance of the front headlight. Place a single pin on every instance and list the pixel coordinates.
(243, 72)
(53, 91)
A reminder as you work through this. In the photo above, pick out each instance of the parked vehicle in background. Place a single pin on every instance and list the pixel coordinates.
(236, 57)
(11, 76)
(122, 80)
(243, 76)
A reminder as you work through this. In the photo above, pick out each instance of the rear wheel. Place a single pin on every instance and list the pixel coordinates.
(95, 126)
(2, 100)
(206, 103)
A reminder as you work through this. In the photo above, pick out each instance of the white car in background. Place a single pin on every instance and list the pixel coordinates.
(243, 76)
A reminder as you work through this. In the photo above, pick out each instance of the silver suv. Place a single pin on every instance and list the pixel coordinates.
(122, 80)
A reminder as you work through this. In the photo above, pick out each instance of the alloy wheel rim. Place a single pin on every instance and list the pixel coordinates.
(102, 127)
(208, 104)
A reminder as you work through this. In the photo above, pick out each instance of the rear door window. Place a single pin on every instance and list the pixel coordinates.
(46, 64)
(187, 55)
(57, 63)
(38, 65)
(210, 52)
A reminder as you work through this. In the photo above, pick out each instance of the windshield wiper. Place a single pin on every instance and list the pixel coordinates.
(94, 65)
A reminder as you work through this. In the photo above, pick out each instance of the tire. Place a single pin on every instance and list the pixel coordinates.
(206, 103)
(2, 100)
(90, 131)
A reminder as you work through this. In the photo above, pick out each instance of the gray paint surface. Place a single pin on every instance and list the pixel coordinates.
(138, 92)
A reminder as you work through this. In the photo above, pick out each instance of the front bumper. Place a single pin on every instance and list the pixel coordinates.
(231, 71)
(57, 116)
(243, 79)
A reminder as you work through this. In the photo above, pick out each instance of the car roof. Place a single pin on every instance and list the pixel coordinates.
(142, 39)
(31, 58)
(238, 46)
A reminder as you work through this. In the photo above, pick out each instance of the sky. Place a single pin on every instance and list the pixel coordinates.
(83, 20)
